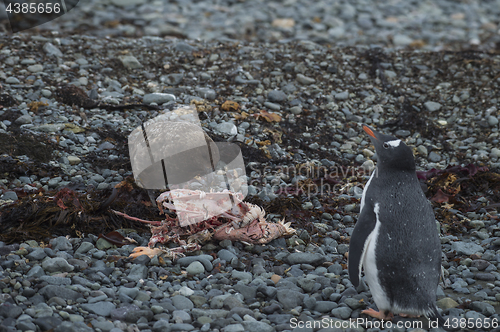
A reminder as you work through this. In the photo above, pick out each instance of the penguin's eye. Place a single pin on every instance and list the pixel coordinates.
(386, 146)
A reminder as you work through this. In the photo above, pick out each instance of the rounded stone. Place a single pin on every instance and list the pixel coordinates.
(195, 268)
(35, 68)
(276, 96)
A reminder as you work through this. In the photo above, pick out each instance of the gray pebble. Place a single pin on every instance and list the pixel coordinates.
(248, 292)
(35, 272)
(12, 80)
(403, 133)
(325, 306)
(181, 327)
(277, 96)
(234, 328)
(50, 128)
(227, 128)
(158, 98)
(207, 93)
(402, 40)
(182, 303)
(272, 106)
(173, 79)
(483, 307)
(184, 47)
(73, 327)
(9, 195)
(38, 254)
(304, 80)
(434, 157)
(466, 248)
(432, 106)
(257, 326)
(35, 68)
(51, 291)
(84, 247)
(57, 264)
(50, 49)
(130, 62)
(226, 255)
(161, 325)
(195, 268)
(305, 258)
(244, 276)
(137, 272)
(289, 298)
(204, 259)
(100, 308)
(492, 121)
(342, 95)
(182, 316)
(61, 243)
(341, 312)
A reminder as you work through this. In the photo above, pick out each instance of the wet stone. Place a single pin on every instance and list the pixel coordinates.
(276, 96)
(182, 303)
(57, 264)
(99, 308)
(289, 298)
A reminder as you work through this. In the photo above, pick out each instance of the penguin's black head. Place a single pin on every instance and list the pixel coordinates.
(391, 152)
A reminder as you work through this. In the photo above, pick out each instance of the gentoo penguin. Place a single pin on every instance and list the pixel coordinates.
(395, 239)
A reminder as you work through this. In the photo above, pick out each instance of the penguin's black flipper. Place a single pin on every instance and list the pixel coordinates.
(359, 241)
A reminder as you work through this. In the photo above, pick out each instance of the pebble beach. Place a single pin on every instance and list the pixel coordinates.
(290, 83)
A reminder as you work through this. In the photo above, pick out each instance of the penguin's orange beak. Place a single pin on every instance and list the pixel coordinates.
(369, 131)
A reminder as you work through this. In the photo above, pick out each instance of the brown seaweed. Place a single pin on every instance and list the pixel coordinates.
(64, 212)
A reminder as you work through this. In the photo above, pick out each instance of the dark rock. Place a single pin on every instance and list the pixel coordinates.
(99, 308)
(483, 307)
(182, 303)
(36, 255)
(26, 324)
(73, 327)
(134, 316)
(142, 260)
(341, 312)
(480, 264)
(203, 259)
(485, 276)
(226, 255)
(181, 327)
(325, 306)
(10, 310)
(47, 323)
(122, 312)
(276, 96)
(271, 309)
(241, 311)
(289, 298)
(61, 243)
(6, 249)
(248, 292)
(161, 326)
(137, 272)
(305, 258)
(231, 302)
(60, 291)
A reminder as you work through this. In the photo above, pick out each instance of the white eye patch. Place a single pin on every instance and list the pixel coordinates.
(394, 143)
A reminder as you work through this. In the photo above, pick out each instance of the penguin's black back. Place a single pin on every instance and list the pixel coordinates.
(408, 250)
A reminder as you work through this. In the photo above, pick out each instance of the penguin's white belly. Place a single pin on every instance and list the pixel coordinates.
(371, 270)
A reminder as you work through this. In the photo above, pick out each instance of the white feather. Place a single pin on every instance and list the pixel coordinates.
(395, 143)
(369, 263)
